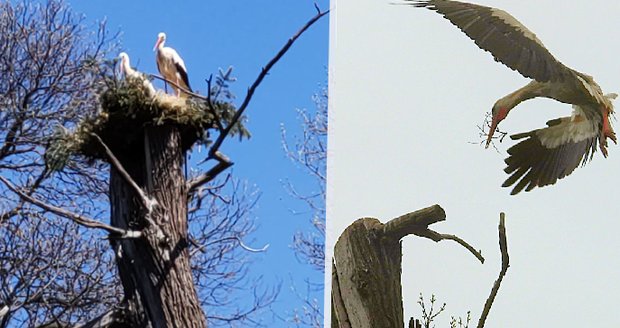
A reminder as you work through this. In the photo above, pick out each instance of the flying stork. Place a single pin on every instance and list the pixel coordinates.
(548, 154)
(128, 72)
(171, 66)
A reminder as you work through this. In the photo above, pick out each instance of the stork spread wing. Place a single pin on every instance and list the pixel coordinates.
(499, 33)
(551, 153)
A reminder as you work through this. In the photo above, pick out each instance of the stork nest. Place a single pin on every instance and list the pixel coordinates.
(126, 110)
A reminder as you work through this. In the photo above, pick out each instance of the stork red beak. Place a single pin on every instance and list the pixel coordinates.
(498, 117)
(157, 44)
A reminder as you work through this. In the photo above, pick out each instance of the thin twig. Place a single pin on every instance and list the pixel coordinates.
(195, 95)
(79, 219)
(503, 246)
(259, 79)
(201, 248)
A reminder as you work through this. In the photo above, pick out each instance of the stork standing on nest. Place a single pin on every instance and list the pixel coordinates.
(551, 153)
(171, 66)
(125, 69)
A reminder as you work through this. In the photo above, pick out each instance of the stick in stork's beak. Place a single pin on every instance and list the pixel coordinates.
(497, 117)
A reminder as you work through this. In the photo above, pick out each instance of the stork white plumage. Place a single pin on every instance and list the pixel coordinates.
(128, 72)
(554, 152)
(171, 66)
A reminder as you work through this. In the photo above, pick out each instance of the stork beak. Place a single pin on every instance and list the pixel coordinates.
(498, 117)
(491, 132)
(157, 44)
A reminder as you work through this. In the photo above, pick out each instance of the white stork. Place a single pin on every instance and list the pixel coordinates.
(128, 72)
(550, 153)
(171, 66)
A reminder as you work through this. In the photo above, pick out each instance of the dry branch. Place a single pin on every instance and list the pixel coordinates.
(503, 246)
(223, 163)
(147, 202)
(417, 223)
(264, 71)
(79, 219)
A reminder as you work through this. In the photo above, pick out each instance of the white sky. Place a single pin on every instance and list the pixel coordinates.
(407, 90)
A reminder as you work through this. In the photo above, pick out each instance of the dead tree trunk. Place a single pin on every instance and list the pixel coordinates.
(155, 270)
(366, 270)
(366, 288)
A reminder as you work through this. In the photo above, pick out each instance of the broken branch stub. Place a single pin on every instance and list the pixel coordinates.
(366, 271)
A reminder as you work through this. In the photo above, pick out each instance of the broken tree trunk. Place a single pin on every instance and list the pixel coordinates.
(155, 270)
(366, 270)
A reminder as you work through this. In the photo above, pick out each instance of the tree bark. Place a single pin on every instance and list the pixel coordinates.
(367, 281)
(366, 271)
(155, 270)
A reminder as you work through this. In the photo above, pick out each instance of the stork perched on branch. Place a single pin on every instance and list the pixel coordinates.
(550, 153)
(128, 72)
(171, 66)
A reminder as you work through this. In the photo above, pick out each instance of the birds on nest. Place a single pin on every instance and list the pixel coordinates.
(169, 64)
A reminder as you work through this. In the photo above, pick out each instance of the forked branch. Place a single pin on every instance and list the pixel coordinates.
(223, 163)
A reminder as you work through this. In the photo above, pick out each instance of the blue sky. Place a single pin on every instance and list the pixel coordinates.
(245, 34)
(435, 86)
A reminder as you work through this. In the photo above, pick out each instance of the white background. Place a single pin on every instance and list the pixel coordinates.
(407, 92)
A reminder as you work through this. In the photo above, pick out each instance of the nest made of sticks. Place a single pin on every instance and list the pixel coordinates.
(126, 110)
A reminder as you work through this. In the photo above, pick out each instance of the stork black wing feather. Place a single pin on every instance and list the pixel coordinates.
(534, 163)
(183, 74)
(499, 33)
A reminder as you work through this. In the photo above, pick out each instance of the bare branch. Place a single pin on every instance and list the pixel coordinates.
(111, 318)
(202, 248)
(503, 246)
(417, 223)
(79, 219)
(147, 202)
(223, 163)
(437, 237)
(259, 79)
